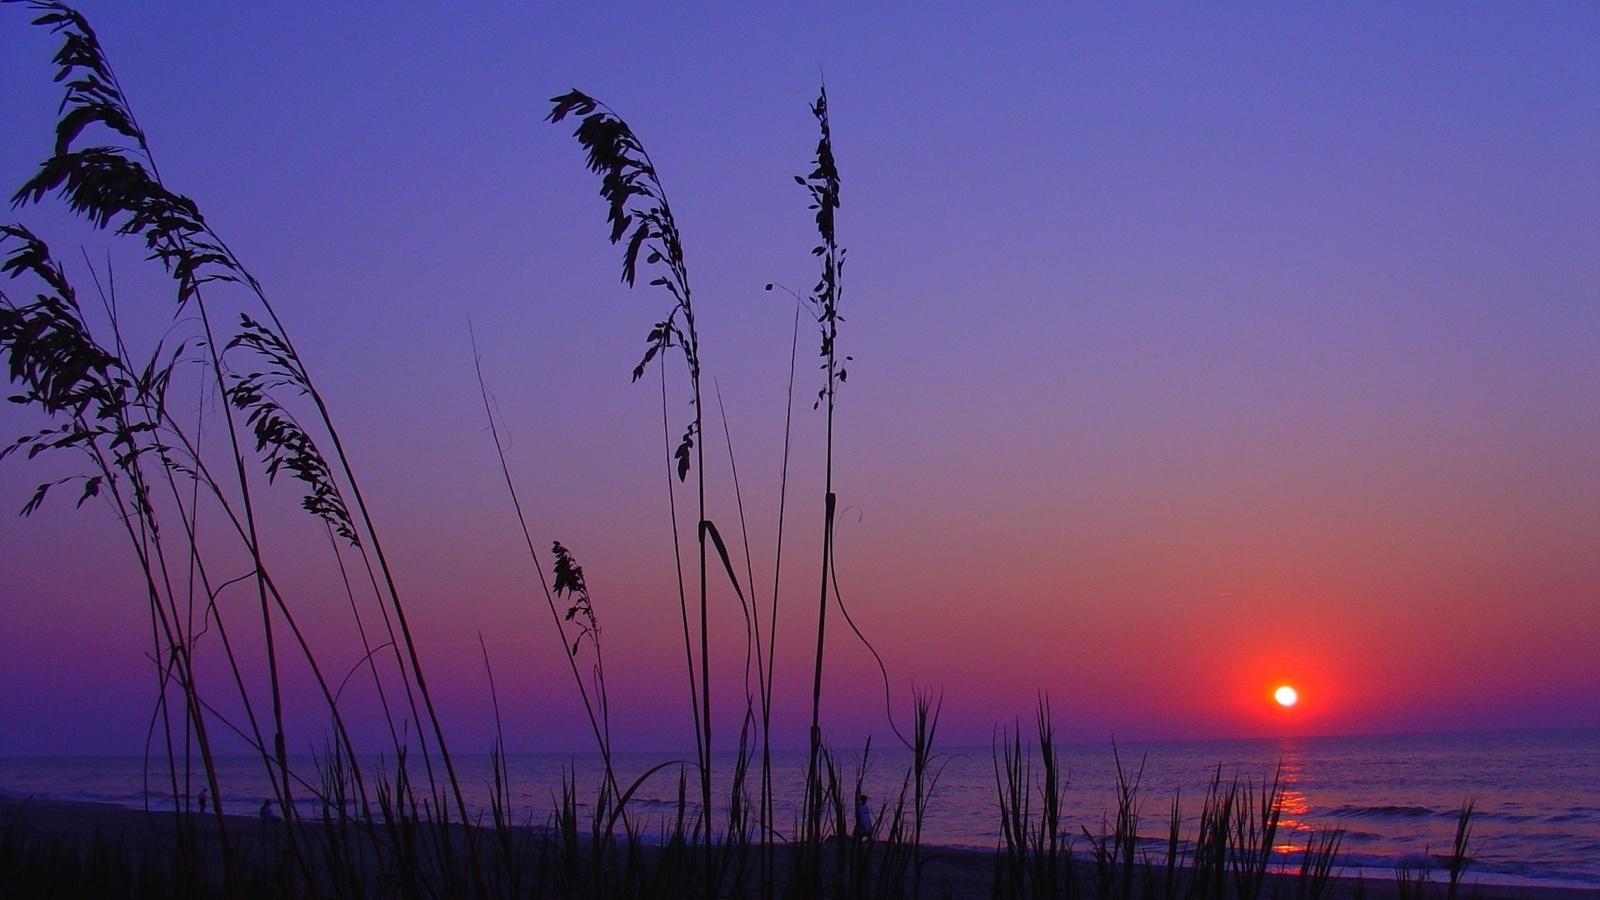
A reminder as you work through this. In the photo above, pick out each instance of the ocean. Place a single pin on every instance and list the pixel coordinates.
(1396, 798)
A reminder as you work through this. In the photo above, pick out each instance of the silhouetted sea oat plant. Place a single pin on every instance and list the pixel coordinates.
(117, 187)
(636, 200)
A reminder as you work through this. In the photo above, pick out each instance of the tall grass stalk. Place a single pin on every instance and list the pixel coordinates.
(1456, 863)
(823, 185)
(925, 771)
(636, 199)
(568, 579)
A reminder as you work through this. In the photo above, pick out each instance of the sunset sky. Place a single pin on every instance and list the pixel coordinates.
(1198, 350)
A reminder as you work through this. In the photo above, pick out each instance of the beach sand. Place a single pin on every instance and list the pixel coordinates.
(948, 872)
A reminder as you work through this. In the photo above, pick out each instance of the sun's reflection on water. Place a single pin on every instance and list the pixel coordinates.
(1292, 803)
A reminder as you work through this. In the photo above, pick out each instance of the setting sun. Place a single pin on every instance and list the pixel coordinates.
(1286, 696)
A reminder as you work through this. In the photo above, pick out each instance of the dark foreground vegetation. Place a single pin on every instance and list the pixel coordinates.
(58, 850)
(184, 438)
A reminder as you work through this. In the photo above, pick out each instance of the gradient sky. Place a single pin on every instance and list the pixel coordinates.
(1198, 349)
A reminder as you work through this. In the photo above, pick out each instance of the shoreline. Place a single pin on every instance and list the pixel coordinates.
(948, 871)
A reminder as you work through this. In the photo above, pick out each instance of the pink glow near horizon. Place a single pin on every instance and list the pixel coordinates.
(1196, 352)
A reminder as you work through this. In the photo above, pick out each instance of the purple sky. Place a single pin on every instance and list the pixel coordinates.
(1197, 349)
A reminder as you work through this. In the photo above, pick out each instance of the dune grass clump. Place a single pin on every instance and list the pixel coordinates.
(641, 221)
(1233, 851)
(1034, 858)
(184, 473)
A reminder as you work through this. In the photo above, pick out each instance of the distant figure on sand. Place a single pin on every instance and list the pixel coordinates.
(204, 795)
(863, 818)
(267, 815)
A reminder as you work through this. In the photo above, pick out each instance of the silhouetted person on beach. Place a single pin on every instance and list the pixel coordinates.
(267, 815)
(863, 819)
(204, 796)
